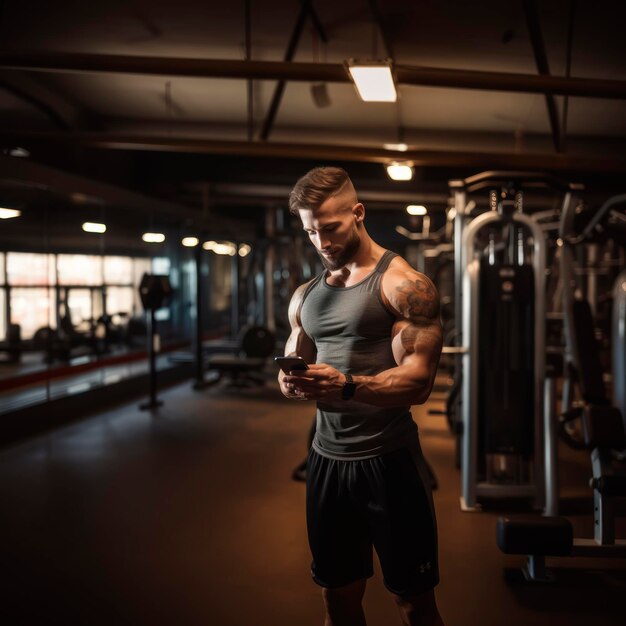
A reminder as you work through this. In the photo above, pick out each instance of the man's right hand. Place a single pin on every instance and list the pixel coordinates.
(287, 390)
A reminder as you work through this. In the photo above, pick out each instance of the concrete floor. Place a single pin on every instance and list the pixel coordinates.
(188, 516)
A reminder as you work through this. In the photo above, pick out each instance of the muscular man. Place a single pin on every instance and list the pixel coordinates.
(369, 328)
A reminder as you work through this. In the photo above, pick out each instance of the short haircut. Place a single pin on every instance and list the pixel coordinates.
(316, 186)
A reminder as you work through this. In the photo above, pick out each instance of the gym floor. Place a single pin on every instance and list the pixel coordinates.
(189, 516)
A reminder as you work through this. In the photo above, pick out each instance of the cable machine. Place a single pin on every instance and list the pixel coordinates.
(506, 427)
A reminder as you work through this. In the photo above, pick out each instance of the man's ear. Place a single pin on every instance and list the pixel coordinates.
(358, 210)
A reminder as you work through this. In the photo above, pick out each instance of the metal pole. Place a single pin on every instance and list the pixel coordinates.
(270, 258)
(550, 447)
(459, 206)
(469, 315)
(234, 293)
(539, 265)
(154, 402)
(199, 383)
(152, 352)
(619, 344)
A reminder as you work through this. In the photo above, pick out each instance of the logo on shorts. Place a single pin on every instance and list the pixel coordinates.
(424, 567)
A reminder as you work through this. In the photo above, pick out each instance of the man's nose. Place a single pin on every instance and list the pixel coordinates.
(324, 242)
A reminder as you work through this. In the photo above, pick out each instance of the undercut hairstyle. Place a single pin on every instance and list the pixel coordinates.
(316, 186)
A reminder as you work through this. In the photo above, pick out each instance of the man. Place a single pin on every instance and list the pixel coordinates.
(369, 328)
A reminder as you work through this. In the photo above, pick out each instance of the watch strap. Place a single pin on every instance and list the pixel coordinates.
(349, 388)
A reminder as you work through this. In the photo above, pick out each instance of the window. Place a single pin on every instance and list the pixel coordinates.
(161, 265)
(120, 300)
(79, 269)
(3, 321)
(32, 308)
(30, 268)
(118, 270)
(79, 304)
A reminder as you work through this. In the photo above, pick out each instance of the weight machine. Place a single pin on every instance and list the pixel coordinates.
(506, 429)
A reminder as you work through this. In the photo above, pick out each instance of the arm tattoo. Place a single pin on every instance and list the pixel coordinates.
(408, 337)
(419, 299)
(413, 337)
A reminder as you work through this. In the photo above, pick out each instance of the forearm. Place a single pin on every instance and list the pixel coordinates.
(398, 386)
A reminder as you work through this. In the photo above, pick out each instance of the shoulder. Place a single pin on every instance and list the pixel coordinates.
(409, 293)
(297, 299)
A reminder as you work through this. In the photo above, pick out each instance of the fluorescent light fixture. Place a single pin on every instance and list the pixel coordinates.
(190, 242)
(373, 80)
(6, 214)
(153, 237)
(400, 147)
(400, 171)
(19, 152)
(94, 227)
(416, 209)
(244, 249)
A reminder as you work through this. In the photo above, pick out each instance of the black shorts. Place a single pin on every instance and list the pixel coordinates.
(383, 502)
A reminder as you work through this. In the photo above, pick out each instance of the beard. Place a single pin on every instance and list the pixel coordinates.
(349, 250)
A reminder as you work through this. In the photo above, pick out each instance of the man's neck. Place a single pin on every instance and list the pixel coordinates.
(364, 260)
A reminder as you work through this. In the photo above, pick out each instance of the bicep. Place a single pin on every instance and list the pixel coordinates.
(418, 335)
(298, 342)
(418, 344)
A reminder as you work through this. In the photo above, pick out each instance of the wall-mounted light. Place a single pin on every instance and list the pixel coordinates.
(94, 227)
(245, 249)
(373, 80)
(190, 242)
(400, 170)
(416, 209)
(153, 237)
(6, 214)
(224, 247)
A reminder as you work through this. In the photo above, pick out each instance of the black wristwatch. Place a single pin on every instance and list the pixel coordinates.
(349, 388)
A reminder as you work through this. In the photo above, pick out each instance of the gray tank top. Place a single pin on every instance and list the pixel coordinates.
(351, 328)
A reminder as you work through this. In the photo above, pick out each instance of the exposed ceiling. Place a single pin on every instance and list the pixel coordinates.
(174, 99)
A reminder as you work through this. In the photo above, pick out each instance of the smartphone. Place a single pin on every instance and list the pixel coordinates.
(289, 363)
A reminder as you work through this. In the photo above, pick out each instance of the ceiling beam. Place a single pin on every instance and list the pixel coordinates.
(29, 173)
(312, 72)
(541, 60)
(27, 88)
(279, 90)
(278, 193)
(384, 31)
(325, 152)
(317, 24)
(249, 82)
